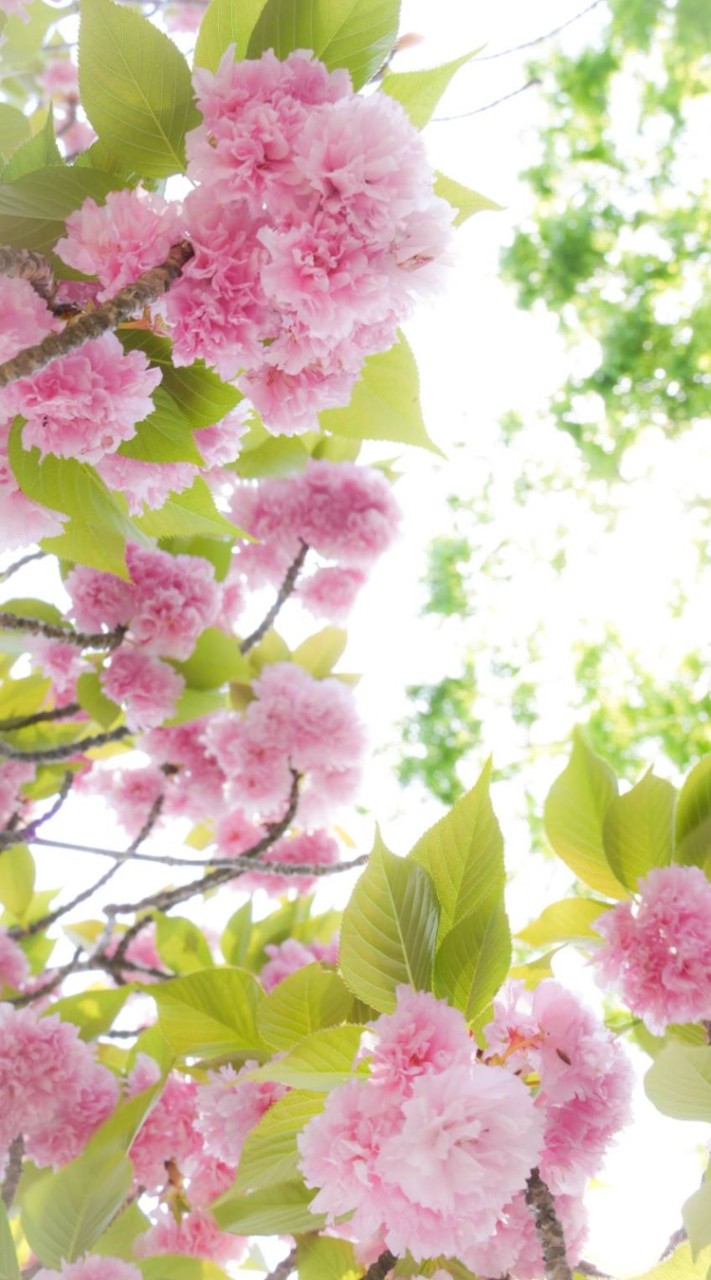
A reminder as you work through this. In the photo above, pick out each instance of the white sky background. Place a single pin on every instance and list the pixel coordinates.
(480, 357)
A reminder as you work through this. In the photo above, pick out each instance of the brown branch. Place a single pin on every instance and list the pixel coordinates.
(285, 1267)
(382, 1266)
(284, 592)
(550, 1232)
(149, 286)
(13, 1170)
(25, 264)
(548, 35)
(55, 631)
(27, 997)
(65, 750)
(45, 921)
(20, 564)
(39, 717)
(168, 898)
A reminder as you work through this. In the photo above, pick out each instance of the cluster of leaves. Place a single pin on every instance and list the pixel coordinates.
(615, 244)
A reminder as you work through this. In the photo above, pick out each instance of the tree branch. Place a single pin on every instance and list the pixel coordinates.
(240, 862)
(13, 1170)
(285, 591)
(285, 1267)
(382, 1266)
(39, 717)
(26, 264)
(550, 1232)
(67, 749)
(548, 35)
(27, 833)
(55, 631)
(464, 115)
(149, 286)
(20, 564)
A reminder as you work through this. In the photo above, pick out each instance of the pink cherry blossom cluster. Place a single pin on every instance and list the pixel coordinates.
(314, 226)
(290, 956)
(187, 1151)
(14, 969)
(53, 1092)
(344, 513)
(426, 1151)
(165, 605)
(656, 949)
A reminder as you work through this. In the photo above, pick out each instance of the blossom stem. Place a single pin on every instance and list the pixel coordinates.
(149, 286)
(13, 1170)
(54, 631)
(550, 1231)
(65, 750)
(285, 1267)
(284, 592)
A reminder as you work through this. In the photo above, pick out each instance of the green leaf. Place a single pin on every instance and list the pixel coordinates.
(321, 1062)
(563, 921)
(99, 526)
(93, 1012)
(234, 942)
(573, 816)
(282, 1208)
(202, 397)
(474, 959)
(164, 436)
(696, 1212)
(17, 879)
(463, 199)
(181, 945)
(194, 703)
(679, 1267)
(325, 1258)
(174, 1266)
(389, 929)
(92, 698)
(38, 152)
(385, 404)
(319, 653)
(135, 88)
(117, 1240)
(65, 1213)
(270, 1153)
(211, 1013)
(14, 129)
(34, 207)
(693, 816)
(308, 1000)
(9, 1266)
(275, 456)
(464, 853)
(420, 91)
(679, 1081)
(356, 34)
(22, 697)
(192, 511)
(225, 22)
(215, 660)
(218, 551)
(638, 829)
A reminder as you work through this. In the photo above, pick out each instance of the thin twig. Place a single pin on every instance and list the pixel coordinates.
(67, 749)
(149, 286)
(20, 564)
(45, 921)
(529, 44)
(55, 631)
(168, 898)
(284, 592)
(464, 115)
(548, 1227)
(239, 862)
(28, 832)
(27, 997)
(13, 1170)
(39, 717)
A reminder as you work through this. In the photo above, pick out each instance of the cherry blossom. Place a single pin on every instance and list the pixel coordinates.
(656, 950)
(147, 688)
(117, 241)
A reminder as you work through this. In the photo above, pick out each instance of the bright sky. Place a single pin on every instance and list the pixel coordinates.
(479, 357)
